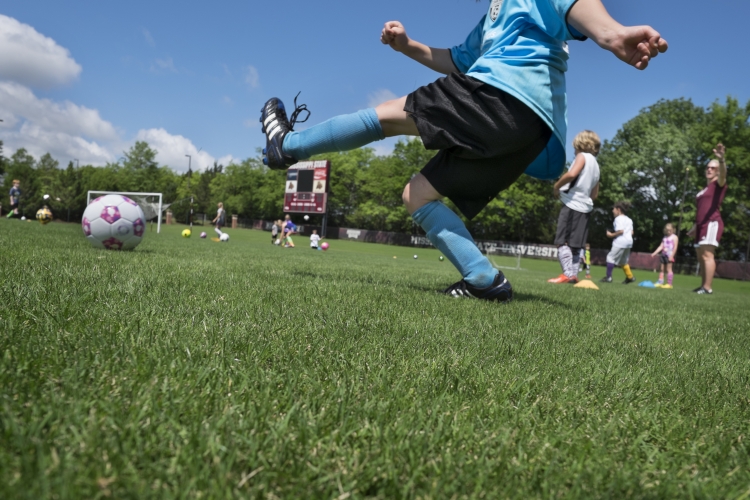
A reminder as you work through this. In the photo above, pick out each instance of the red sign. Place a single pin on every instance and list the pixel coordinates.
(306, 187)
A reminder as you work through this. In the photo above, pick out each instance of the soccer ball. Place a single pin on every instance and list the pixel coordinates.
(415, 256)
(186, 233)
(441, 258)
(114, 222)
(324, 246)
(306, 217)
(224, 237)
(44, 215)
(203, 234)
(23, 217)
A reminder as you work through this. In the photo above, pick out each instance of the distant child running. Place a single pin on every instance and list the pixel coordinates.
(586, 260)
(274, 233)
(500, 112)
(314, 240)
(289, 228)
(219, 219)
(15, 199)
(577, 189)
(621, 244)
(666, 251)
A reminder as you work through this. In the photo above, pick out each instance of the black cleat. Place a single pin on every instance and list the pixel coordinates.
(276, 125)
(606, 279)
(629, 281)
(703, 291)
(500, 290)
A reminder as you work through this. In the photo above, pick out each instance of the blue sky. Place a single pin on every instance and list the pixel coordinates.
(85, 79)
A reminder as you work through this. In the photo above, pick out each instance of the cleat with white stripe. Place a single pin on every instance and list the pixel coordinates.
(499, 291)
(276, 126)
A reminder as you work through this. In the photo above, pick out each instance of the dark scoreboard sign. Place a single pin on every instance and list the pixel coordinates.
(306, 190)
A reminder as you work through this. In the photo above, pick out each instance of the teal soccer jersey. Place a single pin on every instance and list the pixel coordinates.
(520, 47)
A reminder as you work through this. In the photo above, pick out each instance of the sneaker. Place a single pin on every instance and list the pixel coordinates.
(667, 286)
(606, 279)
(695, 290)
(703, 291)
(561, 279)
(588, 276)
(629, 281)
(658, 283)
(276, 125)
(500, 290)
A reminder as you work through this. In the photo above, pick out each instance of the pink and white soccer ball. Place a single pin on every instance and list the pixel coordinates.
(203, 234)
(114, 222)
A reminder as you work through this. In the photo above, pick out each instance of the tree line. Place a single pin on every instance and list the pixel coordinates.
(646, 163)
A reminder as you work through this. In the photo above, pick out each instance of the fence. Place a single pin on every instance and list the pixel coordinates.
(638, 260)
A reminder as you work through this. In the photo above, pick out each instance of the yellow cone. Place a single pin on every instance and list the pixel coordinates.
(586, 284)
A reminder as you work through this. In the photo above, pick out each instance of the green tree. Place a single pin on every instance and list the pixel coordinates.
(645, 164)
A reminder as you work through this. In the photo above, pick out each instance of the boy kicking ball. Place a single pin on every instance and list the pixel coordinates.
(500, 112)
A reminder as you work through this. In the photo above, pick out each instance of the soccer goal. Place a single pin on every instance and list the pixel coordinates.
(150, 203)
(506, 261)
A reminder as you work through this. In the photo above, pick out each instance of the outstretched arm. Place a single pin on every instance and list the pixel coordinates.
(394, 34)
(720, 151)
(634, 45)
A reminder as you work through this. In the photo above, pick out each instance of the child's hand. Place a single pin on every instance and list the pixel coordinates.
(610, 234)
(637, 45)
(394, 34)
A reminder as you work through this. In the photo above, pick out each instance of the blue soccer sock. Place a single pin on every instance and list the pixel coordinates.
(449, 234)
(340, 133)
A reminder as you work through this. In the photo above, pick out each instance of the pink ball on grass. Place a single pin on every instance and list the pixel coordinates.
(324, 246)
(203, 234)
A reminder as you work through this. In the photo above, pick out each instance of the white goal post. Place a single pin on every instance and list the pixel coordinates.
(150, 209)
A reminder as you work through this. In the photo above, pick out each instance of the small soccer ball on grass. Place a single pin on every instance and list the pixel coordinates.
(416, 256)
(114, 222)
(324, 246)
(23, 217)
(44, 215)
(224, 237)
(442, 258)
(186, 233)
(203, 235)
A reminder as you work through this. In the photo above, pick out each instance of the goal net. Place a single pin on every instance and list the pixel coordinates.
(150, 203)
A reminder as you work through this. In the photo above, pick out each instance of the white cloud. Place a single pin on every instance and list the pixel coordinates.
(251, 77)
(19, 102)
(379, 97)
(227, 100)
(148, 37)
(251, 123)
(164, 65)
(173, 148)
(30, 58)
(62, 128)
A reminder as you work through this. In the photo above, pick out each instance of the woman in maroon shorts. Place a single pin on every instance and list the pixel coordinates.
(708, 224)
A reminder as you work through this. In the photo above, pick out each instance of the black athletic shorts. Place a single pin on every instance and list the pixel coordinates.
(572, 228)
(13, 206)
(486, 138)
(664, 258)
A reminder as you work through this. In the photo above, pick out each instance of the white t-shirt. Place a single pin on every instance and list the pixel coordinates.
(576, 195)
(314, 239)
(625, 240)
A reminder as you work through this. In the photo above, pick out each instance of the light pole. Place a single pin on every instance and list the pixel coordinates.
(190, 174)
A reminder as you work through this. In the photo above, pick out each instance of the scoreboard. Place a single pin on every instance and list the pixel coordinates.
(306, 190)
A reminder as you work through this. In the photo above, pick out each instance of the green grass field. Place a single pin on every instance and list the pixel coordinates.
(194, 369)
